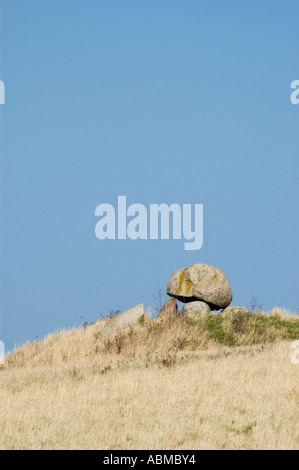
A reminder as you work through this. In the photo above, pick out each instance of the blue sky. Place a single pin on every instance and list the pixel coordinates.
(164, 102)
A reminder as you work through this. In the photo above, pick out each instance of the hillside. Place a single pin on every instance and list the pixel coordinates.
(200, 382)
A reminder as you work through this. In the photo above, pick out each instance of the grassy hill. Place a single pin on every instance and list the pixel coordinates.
(205, 382)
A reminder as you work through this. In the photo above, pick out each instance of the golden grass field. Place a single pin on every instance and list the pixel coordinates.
(186, 384)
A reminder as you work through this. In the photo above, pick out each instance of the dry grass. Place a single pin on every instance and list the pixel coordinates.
(188, 384)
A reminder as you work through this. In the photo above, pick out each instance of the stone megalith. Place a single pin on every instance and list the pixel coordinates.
(169, 310)
(201, 282)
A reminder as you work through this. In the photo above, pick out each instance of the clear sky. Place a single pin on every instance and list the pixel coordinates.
(164, 102)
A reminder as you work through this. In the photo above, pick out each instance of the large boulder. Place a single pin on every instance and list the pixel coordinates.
(128, 318)
(195, 308)
(235, 311)
(201, 282)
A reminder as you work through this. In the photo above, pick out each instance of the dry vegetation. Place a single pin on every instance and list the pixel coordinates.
(189, 383)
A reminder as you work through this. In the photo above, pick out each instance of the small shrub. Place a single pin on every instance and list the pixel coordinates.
(180, 343)
(217, 332)
(113, 313)
(167, 360)
(105, 370)
(237, 322)
(107, 345)
(247, 429)
(119, 341)
(76, 374)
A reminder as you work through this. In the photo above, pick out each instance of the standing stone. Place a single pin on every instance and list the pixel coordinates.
(195, 308)
(128, 318)
(169, 310)
(201, 282)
